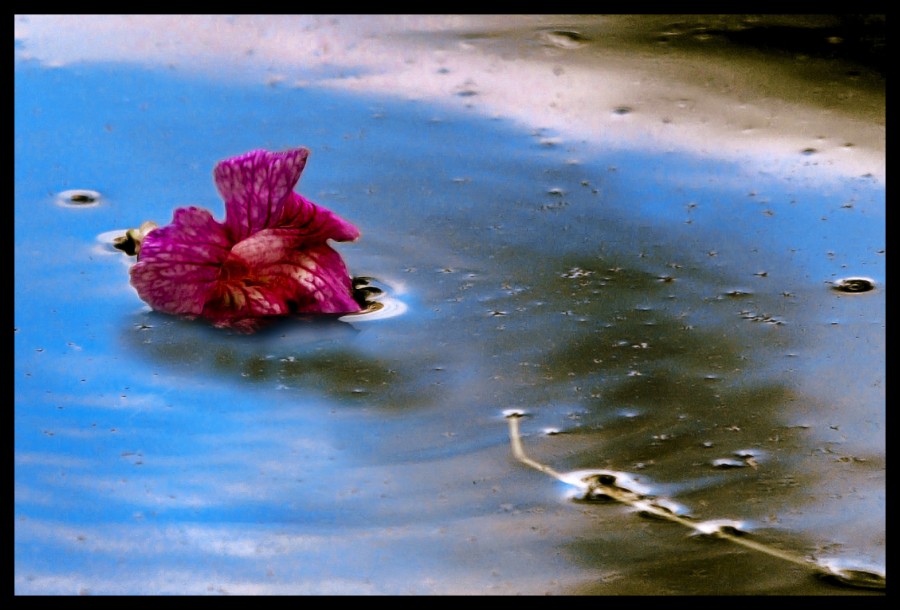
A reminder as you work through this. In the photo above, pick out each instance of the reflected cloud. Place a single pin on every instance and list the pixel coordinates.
(726, 103)
(251, 559)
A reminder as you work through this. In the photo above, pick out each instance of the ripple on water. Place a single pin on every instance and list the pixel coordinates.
(843, 572)
(377, 300)
(106, 241)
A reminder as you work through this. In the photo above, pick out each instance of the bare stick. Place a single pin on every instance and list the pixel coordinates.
(605, 486)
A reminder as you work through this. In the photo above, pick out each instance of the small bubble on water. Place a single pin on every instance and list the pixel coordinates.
(854, 284)
(746, 453)
(652, 508)
(508, 413)
(564, 39)
(727, 463)
(737, 293)
(719, 527)
(629, 413)
(576, 272)
(78, 198)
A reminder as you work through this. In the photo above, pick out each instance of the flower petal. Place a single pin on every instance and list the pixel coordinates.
(264, 277)
(317, 281)
(230, 302)
(255, 186)
(314, 224)
(179, 263)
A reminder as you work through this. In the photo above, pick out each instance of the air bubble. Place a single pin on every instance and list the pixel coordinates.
(508, 413)
(652, 508)
(737, 293)
(565, 39)
(576, 272)
(78, 198)
(720, 527)
(854, 284)
(746, 453)
(726, 463)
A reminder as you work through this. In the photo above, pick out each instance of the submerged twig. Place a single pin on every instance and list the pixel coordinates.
(605, 484)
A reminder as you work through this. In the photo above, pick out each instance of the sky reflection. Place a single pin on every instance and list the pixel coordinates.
(657, 303)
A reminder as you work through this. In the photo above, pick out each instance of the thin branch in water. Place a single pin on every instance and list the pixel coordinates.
(607, 484)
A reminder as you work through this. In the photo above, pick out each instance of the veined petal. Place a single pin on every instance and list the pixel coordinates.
(179, 263)
(312, 223)
(230, 302)
(255, 187)
(314, 280)
(265, 247)
(318, 280)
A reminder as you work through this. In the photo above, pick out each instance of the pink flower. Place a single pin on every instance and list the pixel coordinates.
(270, 257)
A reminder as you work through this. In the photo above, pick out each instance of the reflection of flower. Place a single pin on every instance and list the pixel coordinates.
(269, 258)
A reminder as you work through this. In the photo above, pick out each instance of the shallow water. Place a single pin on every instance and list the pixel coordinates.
(664, 312)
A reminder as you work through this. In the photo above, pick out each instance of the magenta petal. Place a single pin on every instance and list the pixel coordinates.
(275, 279)
(315, 224)
(265, 247)
(315, 281)
(179, 263)
(255, 186)
(232, 302)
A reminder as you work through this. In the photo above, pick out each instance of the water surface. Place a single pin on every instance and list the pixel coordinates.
(663, 311)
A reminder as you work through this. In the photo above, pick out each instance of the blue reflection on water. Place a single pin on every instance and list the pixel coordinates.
(175, 448)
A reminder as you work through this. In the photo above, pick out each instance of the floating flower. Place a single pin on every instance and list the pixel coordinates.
(269, 258)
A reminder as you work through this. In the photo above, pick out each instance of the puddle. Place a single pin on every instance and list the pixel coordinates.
(678, 319)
